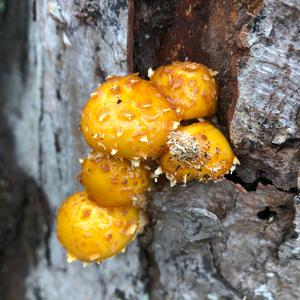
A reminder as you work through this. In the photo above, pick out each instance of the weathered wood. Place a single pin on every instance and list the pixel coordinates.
(71, 47)
(196, 30)
(242, 262)
(215, 241)
(253, 45)
(265, 126)
(241, 40)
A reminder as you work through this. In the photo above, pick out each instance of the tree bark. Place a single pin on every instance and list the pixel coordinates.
(235, 239)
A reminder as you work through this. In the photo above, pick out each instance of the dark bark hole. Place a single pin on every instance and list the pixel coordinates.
(120, 294)
(58, 95)
(34, 10)
(294, 236)
(266, 214)
(57, 143)
(248, 186)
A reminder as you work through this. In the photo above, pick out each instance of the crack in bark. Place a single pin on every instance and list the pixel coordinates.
(252, 186)
(149, 265)
(220, 277)
(47, 214)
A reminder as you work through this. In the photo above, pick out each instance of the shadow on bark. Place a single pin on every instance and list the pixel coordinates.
(24, 212)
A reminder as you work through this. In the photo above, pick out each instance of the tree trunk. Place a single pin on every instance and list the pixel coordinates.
(235, 239)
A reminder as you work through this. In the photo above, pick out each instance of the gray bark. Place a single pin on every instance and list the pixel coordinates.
(266, 121)
(228, 240)
(66, 58)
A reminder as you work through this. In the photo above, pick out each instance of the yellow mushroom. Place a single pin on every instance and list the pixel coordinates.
(198, 151)
(127, 117)
(112, 182)
(189, 87)
(91, 233)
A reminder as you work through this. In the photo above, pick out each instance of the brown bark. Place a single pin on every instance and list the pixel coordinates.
(230, 240)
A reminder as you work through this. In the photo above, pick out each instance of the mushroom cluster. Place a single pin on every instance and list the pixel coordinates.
(128, 122)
